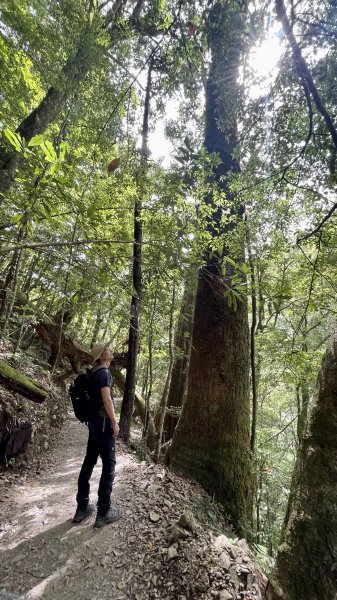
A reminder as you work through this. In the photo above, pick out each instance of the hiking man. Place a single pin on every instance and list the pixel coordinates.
(103, 429)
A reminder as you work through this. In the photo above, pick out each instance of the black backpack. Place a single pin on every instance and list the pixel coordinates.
(84, 407)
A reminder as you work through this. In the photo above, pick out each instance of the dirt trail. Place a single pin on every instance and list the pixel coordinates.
(43, 555)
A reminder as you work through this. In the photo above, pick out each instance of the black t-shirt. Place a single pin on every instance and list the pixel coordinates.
(100, 378)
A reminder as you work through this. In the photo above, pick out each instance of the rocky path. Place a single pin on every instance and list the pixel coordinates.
(143, 556)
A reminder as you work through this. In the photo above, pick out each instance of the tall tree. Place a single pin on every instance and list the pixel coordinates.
(306, 560)
(131, 373)
(211, 440)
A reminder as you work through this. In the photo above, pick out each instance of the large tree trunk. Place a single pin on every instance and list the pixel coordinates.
(211, 440)
(307, 556)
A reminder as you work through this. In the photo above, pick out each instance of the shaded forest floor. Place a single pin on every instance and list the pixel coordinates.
(142, 556)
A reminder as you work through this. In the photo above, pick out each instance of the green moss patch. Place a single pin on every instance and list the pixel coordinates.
(21, 383)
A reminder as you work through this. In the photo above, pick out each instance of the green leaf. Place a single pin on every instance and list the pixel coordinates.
(37, 140)
(49, 151)
(91, 210)
(14, 139)
(230, 261)
(55, 168)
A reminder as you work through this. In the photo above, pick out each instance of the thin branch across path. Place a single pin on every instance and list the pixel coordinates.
(71, 243)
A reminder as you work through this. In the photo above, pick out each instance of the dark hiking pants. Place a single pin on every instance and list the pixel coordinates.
(100, 443)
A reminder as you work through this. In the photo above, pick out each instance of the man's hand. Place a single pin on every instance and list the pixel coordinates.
(115, 429)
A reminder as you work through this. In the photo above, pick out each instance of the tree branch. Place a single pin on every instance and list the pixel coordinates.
(303, 70)
(69, 244)
(319, 226)
(281, 430)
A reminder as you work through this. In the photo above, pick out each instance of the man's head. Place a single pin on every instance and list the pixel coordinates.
(101, 352)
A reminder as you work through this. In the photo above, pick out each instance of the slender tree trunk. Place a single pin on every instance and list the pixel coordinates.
(258, 507)
(278, 303)
(307, 556)
(182, 345)
(14, 289)
(140, 409)
(149, 369)
(56, 355)
(12, 277)
(252, 343)
(163, 403)
(261, 301)
(211, 440)
(32, 269)
(130, 382)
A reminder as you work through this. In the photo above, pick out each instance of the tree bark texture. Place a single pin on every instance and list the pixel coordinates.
(211, 440)
(307, 556)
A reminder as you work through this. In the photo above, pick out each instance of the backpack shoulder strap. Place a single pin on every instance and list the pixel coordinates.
(94, 371)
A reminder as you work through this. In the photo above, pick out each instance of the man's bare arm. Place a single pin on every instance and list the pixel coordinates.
(109, 407)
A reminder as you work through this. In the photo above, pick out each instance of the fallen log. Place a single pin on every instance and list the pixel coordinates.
(69, 348)
(17, 381)
(62, 346)
(119, 360)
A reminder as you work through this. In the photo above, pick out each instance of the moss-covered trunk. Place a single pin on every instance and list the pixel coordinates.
(307, 556)
(211, 440)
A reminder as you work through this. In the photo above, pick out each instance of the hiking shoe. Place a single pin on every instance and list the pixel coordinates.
(113, 514)
(80, 515)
